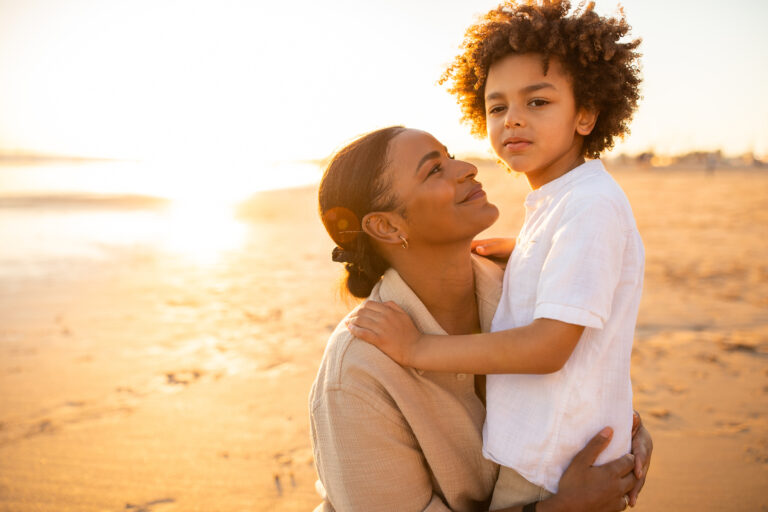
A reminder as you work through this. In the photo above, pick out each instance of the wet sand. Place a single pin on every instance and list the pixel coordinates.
(150, 382)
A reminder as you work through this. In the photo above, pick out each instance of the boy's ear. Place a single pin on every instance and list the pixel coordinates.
(585, 121)
(383, 226)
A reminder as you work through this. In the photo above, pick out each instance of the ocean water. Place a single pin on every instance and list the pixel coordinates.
(56, 215)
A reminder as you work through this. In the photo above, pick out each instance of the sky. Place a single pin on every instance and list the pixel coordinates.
(273, 81)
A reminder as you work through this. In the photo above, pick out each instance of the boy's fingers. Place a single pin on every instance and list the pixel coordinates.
(372, 305)
(393, 306)
(365, 322)
(361, 317)
(362, 333)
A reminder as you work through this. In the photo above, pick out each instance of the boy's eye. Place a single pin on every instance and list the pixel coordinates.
(538, 102)
(496, 109)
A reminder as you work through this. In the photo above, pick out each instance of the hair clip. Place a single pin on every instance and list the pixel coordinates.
(340, 255)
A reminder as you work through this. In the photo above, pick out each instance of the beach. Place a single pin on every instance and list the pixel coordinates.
(135, 377)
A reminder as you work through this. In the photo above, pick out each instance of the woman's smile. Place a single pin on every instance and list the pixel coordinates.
(475, 193)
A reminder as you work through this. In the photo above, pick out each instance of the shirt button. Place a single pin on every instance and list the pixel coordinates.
(461, 376)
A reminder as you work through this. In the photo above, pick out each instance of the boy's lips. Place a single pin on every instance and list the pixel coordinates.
(516, 144)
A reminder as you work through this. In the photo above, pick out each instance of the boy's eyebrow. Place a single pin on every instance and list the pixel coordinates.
(525, 90)
(428, 156)
(537, 87)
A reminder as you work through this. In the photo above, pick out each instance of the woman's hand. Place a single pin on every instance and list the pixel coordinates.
(642, 447)
(388, 327)
(498, 248)
(584, 487)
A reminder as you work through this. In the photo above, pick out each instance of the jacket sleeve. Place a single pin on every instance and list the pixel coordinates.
(367, 457)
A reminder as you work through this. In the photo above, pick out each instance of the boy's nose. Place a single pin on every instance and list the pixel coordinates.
(513, 119)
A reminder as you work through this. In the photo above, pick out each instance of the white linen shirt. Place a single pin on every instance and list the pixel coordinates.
(578, 259)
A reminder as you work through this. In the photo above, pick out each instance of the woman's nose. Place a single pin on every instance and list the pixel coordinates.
(467, 171)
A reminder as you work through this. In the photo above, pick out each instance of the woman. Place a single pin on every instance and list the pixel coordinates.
(403, 214)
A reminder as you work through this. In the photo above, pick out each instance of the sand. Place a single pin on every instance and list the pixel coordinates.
(148, 382)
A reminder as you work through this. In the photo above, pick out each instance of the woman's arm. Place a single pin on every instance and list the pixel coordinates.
(542, 346)
(597, 488)
(368, 459)
(642, 448)
(587, 488)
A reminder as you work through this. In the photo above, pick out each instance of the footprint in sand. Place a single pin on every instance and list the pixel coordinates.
(45, 426)
(149, 506)
(272, 315)
(183, 378)
(52, 420)
(660, 412)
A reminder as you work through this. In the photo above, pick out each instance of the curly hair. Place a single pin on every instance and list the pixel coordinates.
(604, 72)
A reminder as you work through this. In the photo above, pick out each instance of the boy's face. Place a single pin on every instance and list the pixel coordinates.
(533, 123)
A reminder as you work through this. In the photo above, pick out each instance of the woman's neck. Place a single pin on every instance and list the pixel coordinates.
(444, 281)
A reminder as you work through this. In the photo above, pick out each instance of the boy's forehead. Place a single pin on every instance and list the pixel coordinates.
(524, 70)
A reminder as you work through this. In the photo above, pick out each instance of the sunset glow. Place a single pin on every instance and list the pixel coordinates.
(260, 81)
(211, 102)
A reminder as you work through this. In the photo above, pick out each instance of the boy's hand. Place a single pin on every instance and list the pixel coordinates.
(386, 326)
(499, 248)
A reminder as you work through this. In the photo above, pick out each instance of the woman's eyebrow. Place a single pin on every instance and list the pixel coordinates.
(428, 156)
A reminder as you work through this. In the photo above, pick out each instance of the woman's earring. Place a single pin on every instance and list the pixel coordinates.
(405, 242)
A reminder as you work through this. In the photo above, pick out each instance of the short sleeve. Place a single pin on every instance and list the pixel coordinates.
(583, 266)
(367, 459)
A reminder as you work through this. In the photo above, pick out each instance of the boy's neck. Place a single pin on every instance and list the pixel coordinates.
(563, 165)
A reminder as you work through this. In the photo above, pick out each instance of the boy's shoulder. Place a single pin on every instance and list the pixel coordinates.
(598, 193)
(596, 184)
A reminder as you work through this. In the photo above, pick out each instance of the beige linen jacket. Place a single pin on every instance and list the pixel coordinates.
(397, 439)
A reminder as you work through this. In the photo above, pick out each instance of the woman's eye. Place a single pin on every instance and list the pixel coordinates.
(434, 170)
(538, 102)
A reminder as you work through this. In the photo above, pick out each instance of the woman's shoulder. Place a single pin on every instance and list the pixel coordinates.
(350, 365)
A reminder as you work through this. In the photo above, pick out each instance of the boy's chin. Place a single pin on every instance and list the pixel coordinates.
(516, 169)
(515, 164)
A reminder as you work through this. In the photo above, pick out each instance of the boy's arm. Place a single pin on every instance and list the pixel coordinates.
(542, 346)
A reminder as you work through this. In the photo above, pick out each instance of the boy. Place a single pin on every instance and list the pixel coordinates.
(549, 89)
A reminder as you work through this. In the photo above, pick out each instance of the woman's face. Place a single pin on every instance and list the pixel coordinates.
(442, 200)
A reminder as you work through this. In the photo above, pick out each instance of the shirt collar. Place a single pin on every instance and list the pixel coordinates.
(488, 284)
(583, 171)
